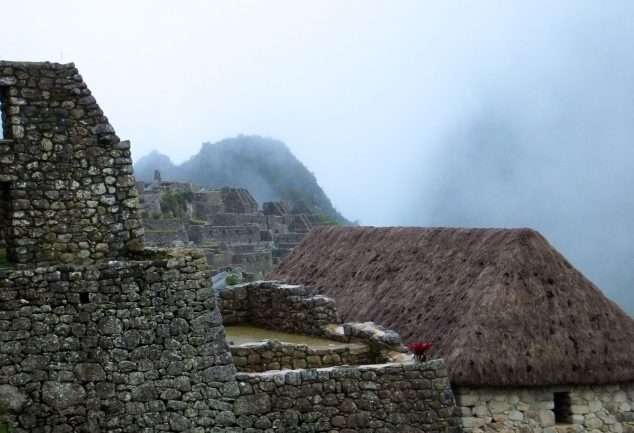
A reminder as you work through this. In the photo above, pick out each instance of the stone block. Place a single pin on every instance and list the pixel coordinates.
(472, 422)
(62, 395)
(12, 399)
(89, 372)
(467, 399)
(252, 404)
(546, 418)
(579, 409)
(516, 415)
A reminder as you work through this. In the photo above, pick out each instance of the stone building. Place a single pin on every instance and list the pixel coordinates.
(66, 185)
(225, 222)
(98, 334)
(531, 345)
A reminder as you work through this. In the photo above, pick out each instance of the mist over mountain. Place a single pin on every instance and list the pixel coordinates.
(264, 166)
(558, 158)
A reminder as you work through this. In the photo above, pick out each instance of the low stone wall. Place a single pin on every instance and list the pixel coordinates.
(165, 239)
(605, 408)
(410, 398)
(275, 355)
(237, 219)
(121, 347)
(231, 234)
(288, 238)
(282, 307)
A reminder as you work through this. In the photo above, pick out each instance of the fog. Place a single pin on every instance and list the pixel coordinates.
(488, 113)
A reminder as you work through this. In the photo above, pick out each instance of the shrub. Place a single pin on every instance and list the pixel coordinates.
(232, 279)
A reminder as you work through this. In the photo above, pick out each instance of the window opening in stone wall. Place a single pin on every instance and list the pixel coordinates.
(4, 131)
(5, 223)
(562, 408)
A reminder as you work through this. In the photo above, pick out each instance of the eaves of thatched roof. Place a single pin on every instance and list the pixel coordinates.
(502, 306)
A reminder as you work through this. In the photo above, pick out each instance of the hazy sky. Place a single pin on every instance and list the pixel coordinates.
(487, 113)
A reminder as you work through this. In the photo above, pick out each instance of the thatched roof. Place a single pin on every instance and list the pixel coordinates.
(502, 306)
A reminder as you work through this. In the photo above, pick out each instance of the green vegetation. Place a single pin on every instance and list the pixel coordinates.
(198, 222)
(4, 428)
(264, 166)
(151, 215)
(327, 219)
(233, 279)
(174, 204)
(4, 263)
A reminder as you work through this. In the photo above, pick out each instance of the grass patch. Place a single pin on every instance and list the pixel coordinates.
(5, 262)
(233, 279)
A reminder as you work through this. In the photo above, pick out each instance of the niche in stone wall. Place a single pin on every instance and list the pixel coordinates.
(5, 222)
(562, 411)
(4, 131)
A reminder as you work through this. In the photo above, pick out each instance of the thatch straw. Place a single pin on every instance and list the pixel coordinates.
(503, 307)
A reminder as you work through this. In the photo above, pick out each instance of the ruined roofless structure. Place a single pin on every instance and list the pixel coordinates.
(100, 335)
(502, 306)
(67, 191)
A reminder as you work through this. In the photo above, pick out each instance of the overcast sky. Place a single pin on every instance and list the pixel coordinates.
(485, 113)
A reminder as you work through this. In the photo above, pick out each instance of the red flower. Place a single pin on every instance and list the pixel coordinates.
(419, 350)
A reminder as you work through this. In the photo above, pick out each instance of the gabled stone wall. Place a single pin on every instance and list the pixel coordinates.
(72, 196)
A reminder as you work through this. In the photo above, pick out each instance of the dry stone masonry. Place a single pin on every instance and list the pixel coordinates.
(66, 179)
(378, 398)
(122, 346)
(98, 334)
(274, 305)
(560, 409)
(276, 355)
(225, 222)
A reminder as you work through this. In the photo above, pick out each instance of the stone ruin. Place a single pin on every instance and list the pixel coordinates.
(98, 334)
(66, 182)
(226, 223)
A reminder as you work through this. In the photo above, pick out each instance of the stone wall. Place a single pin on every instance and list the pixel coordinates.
(71, 193)
(165, 232)
(411, 398)
(231, 234)
(601, 408)
(275, 355)
(122, 347)
(238, 200)
(238, 219)
(282, 307)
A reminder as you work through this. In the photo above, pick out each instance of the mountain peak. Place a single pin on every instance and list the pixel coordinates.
(265, 166)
